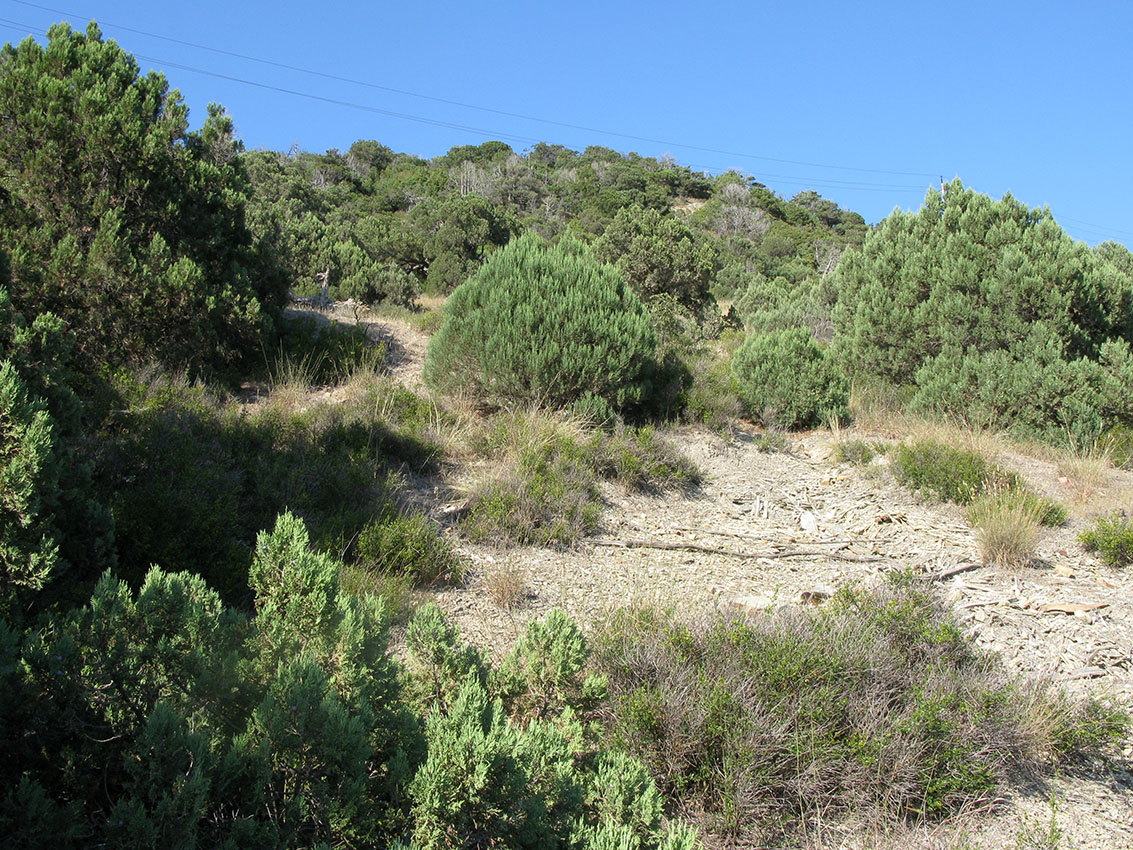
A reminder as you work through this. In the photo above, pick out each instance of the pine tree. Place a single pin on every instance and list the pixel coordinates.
(545, 324)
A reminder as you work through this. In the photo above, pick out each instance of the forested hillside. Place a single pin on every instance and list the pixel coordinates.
(221, 518)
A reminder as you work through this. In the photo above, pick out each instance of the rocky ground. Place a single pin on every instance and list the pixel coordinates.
(769, 529)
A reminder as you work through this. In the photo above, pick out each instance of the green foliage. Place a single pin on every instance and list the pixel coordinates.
(542, 487)
(439, 663)
(544, 675)
(947, 472)
(190, 480)
(523, 771)
(204, 727)
(659, 255)
(120, 221)
(544, 324)
(54, 537)
(960, 475)
(786, 380)
(994, 313)
(1112, 538)
(455, 235)
(876, 705)
(29, 489)
(407, 544)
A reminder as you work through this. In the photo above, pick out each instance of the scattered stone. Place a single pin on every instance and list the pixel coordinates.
(817, 594)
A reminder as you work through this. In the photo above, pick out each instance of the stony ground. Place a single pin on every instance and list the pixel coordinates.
(787, 528)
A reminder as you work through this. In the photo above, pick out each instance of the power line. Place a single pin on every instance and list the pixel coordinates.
(492, 134)
(464, 105)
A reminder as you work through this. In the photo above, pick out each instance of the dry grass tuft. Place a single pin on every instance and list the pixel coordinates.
(1007, 526)
(1086, 471)
(506, 585)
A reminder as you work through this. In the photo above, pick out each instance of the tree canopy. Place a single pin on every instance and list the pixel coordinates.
(543, 323)
(981, 304)
(117, 219)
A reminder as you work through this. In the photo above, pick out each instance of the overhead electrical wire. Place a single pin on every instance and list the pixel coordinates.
(825, 182)
(367, 84)
(849, 185)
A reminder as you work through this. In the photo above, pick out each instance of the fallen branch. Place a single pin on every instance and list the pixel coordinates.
(632, 543)
(744, 536)
(955, 571)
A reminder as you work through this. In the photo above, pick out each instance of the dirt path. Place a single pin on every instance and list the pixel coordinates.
(800, 525)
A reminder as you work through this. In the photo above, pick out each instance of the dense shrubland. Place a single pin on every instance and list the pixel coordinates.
(875, 705)
(989, 311)
(241, 692)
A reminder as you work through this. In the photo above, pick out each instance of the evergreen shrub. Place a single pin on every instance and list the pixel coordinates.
(876, 705)
(786, 380)
(994, 314)
(1112, 538)
(960, 476)
(546, 324)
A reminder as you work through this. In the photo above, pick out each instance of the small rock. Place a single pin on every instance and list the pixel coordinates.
(753, 604)
(808, 522)
(817, 594)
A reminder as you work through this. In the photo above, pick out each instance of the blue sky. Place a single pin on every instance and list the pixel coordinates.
(868, 104)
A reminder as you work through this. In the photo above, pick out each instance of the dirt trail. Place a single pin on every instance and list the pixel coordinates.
(801, 525)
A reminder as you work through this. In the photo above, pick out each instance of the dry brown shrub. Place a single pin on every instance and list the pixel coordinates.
(506, 585)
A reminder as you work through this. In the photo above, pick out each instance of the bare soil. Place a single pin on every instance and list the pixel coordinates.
(787, 528)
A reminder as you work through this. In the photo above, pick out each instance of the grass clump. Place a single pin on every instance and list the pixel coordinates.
(1112, 538)
(1007, 526)
(314, 351)
(960, 475)
(876, 705)
(540, 483)
(1086, 469)
(1119, 444)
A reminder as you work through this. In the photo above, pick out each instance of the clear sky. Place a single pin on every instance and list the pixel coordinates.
(866, 103)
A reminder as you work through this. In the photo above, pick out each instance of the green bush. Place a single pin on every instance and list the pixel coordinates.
(118, 219)
(1112, 538)
(946, 472)
(786, 380)
(994, 313)
(960, 476)
(407, 544)
(544, 324)
(514, 757)
(541, 485)
(875, 705)
(206, 726)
